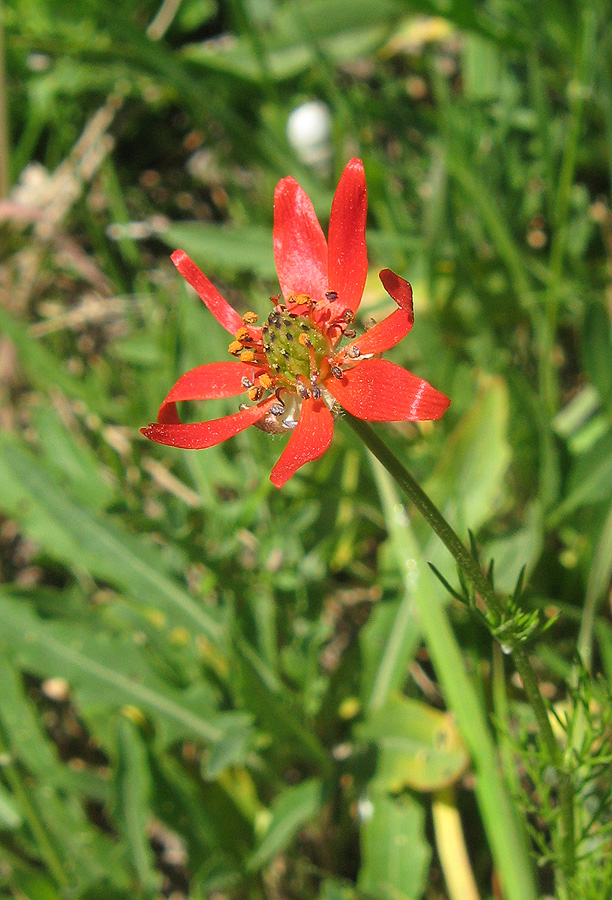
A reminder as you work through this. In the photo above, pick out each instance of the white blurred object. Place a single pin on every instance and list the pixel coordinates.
(309, 133)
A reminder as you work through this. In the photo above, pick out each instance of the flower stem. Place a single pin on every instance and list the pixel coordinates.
(471, 569)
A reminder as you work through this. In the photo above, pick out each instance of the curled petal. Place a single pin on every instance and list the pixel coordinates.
(300, 248)
(396, 326)
(399, 289)
(310, 439)
(348, 260)
(379, 391)
(220, 308)
(206, 383)
(199, 435)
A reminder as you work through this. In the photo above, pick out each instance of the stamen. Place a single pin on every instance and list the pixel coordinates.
(265, 381)
(277, 409)
(304, 340)
(331, 295)
(350, 333)
(246, 382)
(316, 392)
(255, 393)
(349, 316)
(353, 352)
(337, 372)
(243, 334)
(234, 348)
(247, 357)
(250, 317)
(303, 391)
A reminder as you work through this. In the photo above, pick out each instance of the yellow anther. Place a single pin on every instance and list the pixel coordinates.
(234, 348)
(299, 298)
(242, 334)
(254, 393)
(250, 317)
(265, 381)
(247, 357)
(304, 340)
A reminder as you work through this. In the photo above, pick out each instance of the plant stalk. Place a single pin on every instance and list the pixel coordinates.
(471, 569)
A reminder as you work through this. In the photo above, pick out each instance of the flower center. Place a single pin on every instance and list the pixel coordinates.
(295, 348)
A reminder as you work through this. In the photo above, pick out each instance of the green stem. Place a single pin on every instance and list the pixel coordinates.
(471, 569)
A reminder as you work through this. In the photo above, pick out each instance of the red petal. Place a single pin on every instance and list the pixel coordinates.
(309, 440)
(220, 308)
(205, 434)
(348, 261)
(396, 326)
(300, 249)
(205, 383)
(379, 391)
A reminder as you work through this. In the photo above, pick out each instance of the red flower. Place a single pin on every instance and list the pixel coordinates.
(292, 368)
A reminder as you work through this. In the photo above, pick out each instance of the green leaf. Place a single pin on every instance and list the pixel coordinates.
(72, 460)
(590, 480)
(388, 643)
(418, 747)
(469, 477)
(597, 349)
(297, 34)
(395, 855)
(88, 541)
(132, 789)
(290, 812)
(520, 549)
(23, 735)
(108, 672)
(224, 249)
(10, 816)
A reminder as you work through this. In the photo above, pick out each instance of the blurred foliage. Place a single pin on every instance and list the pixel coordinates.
(195, 668)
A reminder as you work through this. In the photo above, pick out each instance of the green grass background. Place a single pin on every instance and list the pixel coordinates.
(198, 672)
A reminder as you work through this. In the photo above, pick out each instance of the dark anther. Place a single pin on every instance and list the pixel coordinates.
(336, 371)
(277, 409)
(353, 352)
(331, 295)
(316, 392)
(303, 391)
(350, 333)
(246, 382)
(349, 316)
